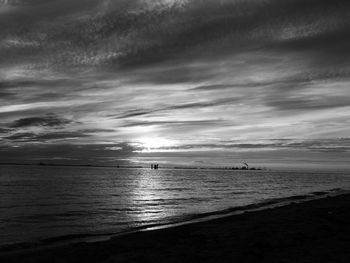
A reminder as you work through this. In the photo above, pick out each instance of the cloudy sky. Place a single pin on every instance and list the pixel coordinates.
(183, 82)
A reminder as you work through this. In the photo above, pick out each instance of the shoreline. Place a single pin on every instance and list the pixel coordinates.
(212, 219)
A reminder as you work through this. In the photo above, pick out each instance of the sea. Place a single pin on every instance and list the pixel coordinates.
(51, 204)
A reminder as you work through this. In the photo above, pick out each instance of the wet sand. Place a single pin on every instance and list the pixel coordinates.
(313, 231)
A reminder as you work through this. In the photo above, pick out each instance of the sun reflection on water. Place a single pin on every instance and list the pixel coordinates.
(147, 197)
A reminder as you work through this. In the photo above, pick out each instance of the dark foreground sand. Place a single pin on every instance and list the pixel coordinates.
(314, 231)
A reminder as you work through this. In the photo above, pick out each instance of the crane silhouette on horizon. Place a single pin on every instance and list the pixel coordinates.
(247, 166)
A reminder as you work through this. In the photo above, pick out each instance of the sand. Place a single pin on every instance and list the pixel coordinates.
(313, 231)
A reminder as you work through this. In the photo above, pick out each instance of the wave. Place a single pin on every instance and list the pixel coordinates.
(169, 222)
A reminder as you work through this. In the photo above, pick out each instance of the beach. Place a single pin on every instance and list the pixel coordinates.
(174, 131)
(311, 231)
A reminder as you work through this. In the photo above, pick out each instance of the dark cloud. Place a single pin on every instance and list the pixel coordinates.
(23, 2)
(100, 154)
(236, 26)
(44, 137)
(299, 80)
(6, 95)
(120, 33)
(87, 131)
(16, 84)
(195, 105)
(325, 145)
(134, 113)
(43, 121)
(24, 136)
(172, 73)
(59, 136)
(205, 104)
(30, 89)
(302, 104)
(218, 87)
(174, 123)
(230, 145)
(4, 130)
(40, 137)
(32, 82)
(331, 145)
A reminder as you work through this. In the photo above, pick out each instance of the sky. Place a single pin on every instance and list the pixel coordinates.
(178, 82)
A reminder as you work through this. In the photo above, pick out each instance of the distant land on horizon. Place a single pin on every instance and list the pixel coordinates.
(137, 166)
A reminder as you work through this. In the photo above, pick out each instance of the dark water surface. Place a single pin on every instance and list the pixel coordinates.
(38, 203)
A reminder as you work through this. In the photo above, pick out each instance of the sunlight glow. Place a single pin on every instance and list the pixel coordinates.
(153, 143)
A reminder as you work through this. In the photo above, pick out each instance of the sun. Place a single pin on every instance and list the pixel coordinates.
(153, 143)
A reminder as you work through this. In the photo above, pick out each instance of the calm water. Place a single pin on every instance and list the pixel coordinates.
(37, 203)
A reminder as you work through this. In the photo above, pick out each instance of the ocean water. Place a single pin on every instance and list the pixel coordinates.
(39, 203)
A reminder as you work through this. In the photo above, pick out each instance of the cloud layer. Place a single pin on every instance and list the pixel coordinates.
(176, 76)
